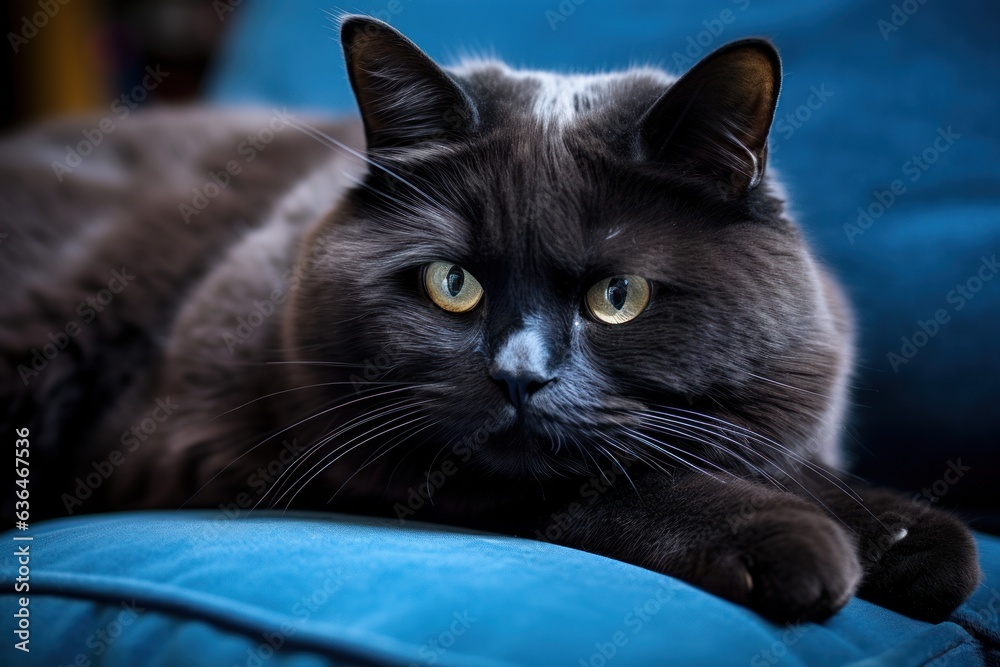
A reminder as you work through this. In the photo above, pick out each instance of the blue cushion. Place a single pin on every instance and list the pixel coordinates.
(195, 588)
(867, 87)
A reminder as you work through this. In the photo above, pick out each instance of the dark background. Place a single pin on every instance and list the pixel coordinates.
(90, 51)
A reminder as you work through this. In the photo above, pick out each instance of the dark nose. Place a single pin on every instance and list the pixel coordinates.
(520, 385)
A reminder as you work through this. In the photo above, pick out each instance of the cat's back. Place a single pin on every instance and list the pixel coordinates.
(108, 225)
(170, 173)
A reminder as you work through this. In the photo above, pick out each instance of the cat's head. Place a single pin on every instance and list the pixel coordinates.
(569, 267)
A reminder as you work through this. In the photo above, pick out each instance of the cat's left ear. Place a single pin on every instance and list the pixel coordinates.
(404, 97)
(715, 119)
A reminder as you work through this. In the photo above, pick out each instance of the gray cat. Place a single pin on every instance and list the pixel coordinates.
(564, 307)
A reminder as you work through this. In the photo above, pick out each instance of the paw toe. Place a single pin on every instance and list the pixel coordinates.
(928, 572)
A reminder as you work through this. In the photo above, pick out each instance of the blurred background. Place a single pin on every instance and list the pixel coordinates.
(887, 136)
(65, 56)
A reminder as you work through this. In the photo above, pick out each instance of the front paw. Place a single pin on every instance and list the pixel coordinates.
(789, 565)
(924, 565)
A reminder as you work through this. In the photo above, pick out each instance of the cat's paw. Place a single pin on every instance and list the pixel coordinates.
(924, 566)
(789, 565)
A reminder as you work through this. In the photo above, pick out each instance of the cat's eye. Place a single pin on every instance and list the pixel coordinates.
(618, 299)
(451, 287)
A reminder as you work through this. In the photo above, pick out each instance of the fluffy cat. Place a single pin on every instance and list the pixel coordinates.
(564, 307)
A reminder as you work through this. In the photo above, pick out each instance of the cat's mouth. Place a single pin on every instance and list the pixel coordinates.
(532, 441)
(559, 432)
(518, 453)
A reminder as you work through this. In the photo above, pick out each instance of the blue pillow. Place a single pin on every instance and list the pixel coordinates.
(195, 588)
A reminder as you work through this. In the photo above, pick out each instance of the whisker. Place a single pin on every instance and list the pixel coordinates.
(326, 464)
(404, 457)
(401, 438)
(664, 448)
(286, 391)
(767, 442)
(611, 457)
(639, 456)
(686, 429)
(786, 386)
(363, 418)
(287, 428)
(323, 137)
(340, 451)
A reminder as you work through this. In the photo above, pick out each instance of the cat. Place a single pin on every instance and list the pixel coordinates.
(569, 308)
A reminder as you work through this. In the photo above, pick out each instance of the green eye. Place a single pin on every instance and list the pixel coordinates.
(451, 287)
(618, 299)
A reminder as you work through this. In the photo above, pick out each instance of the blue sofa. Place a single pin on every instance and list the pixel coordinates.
(887, 137)
(200, 589)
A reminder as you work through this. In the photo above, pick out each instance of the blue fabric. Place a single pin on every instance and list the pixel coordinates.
(867, 87)
(195, 589)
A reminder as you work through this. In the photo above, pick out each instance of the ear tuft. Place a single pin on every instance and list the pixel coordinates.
(404, 97)
(716, 118)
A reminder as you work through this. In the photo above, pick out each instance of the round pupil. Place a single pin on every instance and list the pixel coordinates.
(618, 292)
(454, 280)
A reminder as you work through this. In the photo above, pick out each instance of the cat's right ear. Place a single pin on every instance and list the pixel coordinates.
(404, 97)
(714, 121)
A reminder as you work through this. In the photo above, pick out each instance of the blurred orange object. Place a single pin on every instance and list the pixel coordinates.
(62, 69)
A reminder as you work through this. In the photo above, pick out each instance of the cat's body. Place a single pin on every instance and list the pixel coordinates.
(629, 349)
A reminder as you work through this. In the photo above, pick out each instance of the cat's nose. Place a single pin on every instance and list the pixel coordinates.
(520, 385)
(519, 366)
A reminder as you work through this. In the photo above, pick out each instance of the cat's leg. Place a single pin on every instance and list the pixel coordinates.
(754, 545)
(917, 560)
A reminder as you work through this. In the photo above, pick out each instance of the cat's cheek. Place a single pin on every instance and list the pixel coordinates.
(464, 452)
(590, 493)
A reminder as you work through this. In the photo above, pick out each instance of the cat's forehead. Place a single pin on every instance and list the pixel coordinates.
(531, 199)
(542, 183)
(557, 101)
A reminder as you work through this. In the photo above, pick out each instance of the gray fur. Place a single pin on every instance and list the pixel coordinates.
(303, 364)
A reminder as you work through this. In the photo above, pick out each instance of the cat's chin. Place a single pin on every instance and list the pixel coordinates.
(522, 453)
(531, 466)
